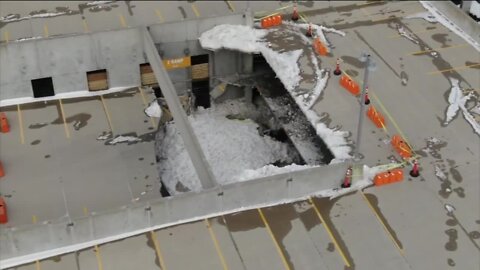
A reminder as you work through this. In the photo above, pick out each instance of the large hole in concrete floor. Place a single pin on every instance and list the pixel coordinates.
(241, 138)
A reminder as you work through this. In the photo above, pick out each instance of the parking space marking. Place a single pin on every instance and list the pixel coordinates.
(439, 49)
(383, 224)
(85, 211)
(45, 30)
(67, 132)
(20, 124)
(122, 20)
(195, 10)
(6, 36)
(230, 6)
(99, 257)
(159, 15)
(215, 243)
(277, 245)
(337, 246)
(453, 69)
(105, 109)
(37, 265)
(157, 250)
(85, 26)
(34, 219)
(145, 103)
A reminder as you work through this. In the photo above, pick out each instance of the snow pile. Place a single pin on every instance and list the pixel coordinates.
(230, 147)
(475, 9)
(269, 170)
(449, 208)
(285, 66)
(457, 102)
(440, 174)
(153, 109)
(449, 24)
(318, 30)
(322, 78)
(124, 139)
(404, 33)
(426, 15)
(236, 37)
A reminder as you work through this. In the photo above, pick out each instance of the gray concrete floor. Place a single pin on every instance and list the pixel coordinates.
(419, 234)
(60, 159)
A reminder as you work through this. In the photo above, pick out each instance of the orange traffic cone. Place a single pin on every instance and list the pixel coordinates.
(295, 14)
(337, 70)
(415, 172)
(347, 181)
(309, 30)
(4, 127)
(3, 211)
(367, 99)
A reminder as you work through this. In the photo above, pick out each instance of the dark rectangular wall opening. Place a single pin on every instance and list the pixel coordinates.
(201, 90)
(200, 80)
(43, 87)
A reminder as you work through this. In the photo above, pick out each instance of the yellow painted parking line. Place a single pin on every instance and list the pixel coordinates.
(439, 49)
(279, 250)
(67, 132)
(45, 30)
(105, 109)
(85, 211)
(20, 124)
(215, 243)
(230, 6)
(453, 69)
(382, 223)
(122, 20)
(377, 100)
(329, 231)
(99, 257)
(37, 265)
(154, 125)
(157, 250)
(159, 15)
(195, 10)
(6, 36)
(34, 219)
(85, 26)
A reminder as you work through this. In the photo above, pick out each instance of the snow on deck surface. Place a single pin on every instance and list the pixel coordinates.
(230, 146)
(285, 65)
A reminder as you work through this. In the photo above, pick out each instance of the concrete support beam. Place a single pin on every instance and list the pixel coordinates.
(181, 121)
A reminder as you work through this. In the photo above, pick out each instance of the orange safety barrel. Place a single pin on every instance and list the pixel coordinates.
(2, 171)
(3, 211)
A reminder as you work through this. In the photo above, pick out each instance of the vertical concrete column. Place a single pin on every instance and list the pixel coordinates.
(181, 121)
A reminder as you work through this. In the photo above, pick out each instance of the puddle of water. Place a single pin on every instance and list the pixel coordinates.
(37, 126)
(182, 11)
(151, 245)
(476, 64)
(451, 222)
(451, 245)
(47, 156)
(242, 221)
(35, 142)
(450, 262)
(474, 235)
(441, 38)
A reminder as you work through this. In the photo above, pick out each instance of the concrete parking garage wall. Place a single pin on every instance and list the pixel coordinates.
(67, 59)
(44, 240)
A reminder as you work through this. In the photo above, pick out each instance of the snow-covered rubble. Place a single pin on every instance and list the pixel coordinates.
(286, 68)
(124, 139)
(268, 170)
(153, 109)
(230, 147)
(457, 102)
(318, 30)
